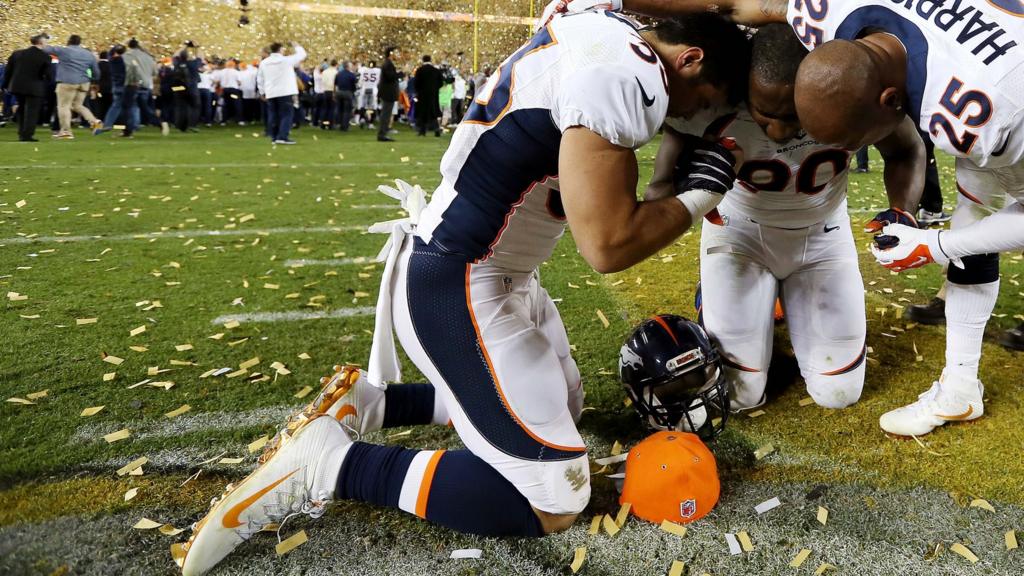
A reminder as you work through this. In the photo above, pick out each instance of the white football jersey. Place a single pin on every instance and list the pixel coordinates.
(368, 77)
(791, 185)
(498, 199)
(965, 65)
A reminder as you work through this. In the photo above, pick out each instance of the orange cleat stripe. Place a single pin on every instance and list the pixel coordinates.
(231, 519)
(964, 416)
(428, 479)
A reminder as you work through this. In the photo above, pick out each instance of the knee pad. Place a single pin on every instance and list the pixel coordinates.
(978, 269)
(567, 486)
(839, 391)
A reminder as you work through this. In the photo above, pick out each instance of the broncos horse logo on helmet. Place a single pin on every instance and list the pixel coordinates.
(673, 375)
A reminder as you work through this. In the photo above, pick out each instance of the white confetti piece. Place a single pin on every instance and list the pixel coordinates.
(146, 524)
(466, 554)
(964, 551)
(131, 466)
(734, 544)
(768, 505)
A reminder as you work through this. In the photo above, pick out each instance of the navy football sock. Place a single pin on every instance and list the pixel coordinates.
(408, 405)
(455, 489)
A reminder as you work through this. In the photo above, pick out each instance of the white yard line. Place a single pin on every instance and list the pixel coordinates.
(296, 315)
(182, 234)
(301, 262)
(198, 165)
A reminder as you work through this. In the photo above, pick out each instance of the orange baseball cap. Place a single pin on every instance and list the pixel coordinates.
(671, 476)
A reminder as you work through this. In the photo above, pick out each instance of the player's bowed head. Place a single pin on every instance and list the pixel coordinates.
(850, 94)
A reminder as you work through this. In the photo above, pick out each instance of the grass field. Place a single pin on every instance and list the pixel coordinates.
(128, 262)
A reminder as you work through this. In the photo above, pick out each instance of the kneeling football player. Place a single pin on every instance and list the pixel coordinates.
(783, 230)
(550, 141)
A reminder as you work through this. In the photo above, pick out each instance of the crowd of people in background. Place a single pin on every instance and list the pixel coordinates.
(126, 88)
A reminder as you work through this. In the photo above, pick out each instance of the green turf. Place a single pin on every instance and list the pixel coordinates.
(310, 201)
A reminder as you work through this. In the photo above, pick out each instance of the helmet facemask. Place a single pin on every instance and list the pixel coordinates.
(694, 400)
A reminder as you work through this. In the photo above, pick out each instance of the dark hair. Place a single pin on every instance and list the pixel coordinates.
(373, 64)
(74, 40)
(38, 39)
(334, 62)
(426, 58)
(103, 55)
(388, 51)
(119, 50)
(776, 54)
(275, 47)
(133, 43)
(726, 62)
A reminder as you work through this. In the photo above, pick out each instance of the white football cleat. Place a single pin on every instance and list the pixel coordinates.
(298, 478)
(951, 399)
(347, 396)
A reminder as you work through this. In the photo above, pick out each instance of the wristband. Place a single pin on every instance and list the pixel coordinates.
(699, 202)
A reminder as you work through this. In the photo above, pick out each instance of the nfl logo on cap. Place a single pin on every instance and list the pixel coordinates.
(687, 508)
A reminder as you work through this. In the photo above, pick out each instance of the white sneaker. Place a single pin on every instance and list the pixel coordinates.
(165, 128)
(951, 399)
(348, 397)
(298, 478)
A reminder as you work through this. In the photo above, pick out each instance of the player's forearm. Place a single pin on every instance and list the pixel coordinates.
(1000, 232)
(905, 164)
(652, 226)
(749, 12)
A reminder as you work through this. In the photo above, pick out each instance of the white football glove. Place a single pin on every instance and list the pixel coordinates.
(556, 7)
(901, 247)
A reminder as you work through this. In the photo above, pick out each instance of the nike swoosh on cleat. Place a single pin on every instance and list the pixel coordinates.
(648, 100)
(964, 416)
(347, 410)
(231, 518)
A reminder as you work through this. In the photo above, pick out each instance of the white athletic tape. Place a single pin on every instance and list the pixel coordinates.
(293, 316)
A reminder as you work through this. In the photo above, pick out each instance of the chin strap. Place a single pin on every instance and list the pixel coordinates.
(384, 365)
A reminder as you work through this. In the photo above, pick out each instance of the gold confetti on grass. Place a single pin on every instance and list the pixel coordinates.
(303, 392)
(183, 347)
(1011, 540)
(756, 413)
(37, 395)
(117, 436)
(745, 542)
(249, 363)
(169, 530)
(823, 568)
(138, 348)
(807, 401)
(964, 551)
(609, 525)
(623, 515)
(822, 515)
(673, 528)
(178, 411)
(976, 503)
(16, 297)
(230, 461)
(616, 448)
(132, 466)
(146, 524)
(763, 451)
(578, 557)
(800, 558)
(84, 321)
(137, 331)
(131, 493)
(677, 568)
(595, 526)
(231, 324)
(258, 443)
(92, 411)
(291, 543)
(110, 359)
(16, 400)
(602, 318)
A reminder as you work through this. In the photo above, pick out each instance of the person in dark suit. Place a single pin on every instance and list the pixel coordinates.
(387, 91)
(27, 76)
(428, 106)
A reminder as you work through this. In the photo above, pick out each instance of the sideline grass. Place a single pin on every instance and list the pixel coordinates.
(57, 474)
